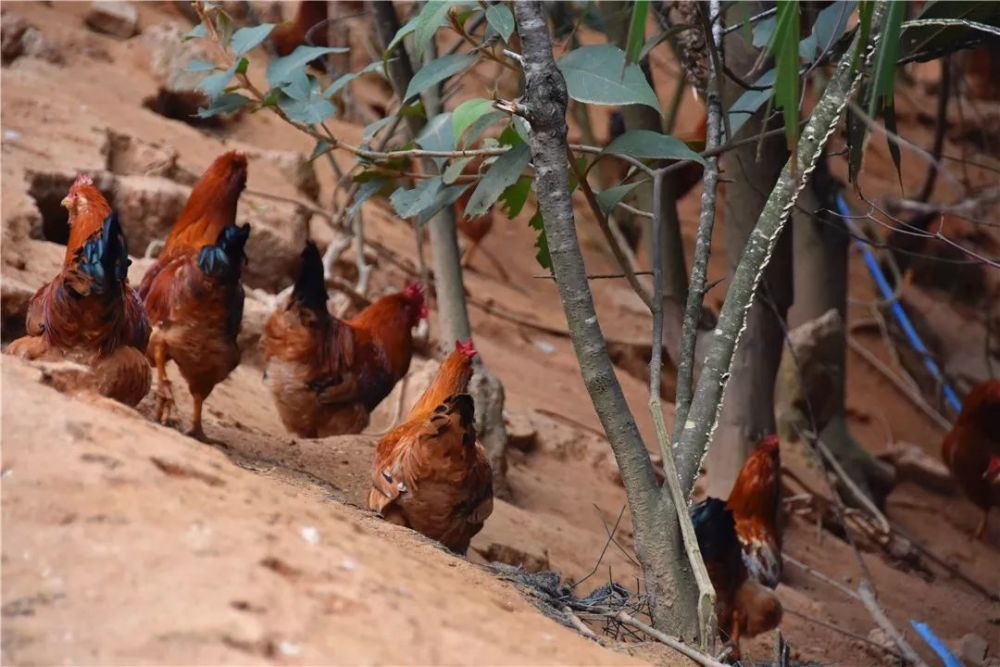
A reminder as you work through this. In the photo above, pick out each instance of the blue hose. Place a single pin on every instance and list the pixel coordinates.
(897, 308)
(938, 646)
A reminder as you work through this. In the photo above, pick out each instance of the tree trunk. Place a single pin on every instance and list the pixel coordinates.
(669, 582)
(821, 243)
(453, 316)
(703, 417)
(748, 407)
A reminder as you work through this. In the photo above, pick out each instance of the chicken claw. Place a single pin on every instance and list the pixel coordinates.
(164, 400)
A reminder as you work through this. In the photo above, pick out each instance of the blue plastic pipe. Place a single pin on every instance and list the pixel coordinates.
(897, 308)
(938, 646)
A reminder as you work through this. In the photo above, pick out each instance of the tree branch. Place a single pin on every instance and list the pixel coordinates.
(703, 242)
(700, 421)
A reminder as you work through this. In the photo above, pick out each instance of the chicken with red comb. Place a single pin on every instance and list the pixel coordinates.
(972, 449)
(431, 474)
(756, 504)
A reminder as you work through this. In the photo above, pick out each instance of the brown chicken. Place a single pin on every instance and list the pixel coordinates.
(89, 313)
(972, 449)
(755, 502)
(292, 34)
(193, 292)
(744, 607)
(431, 474)
(327, 375)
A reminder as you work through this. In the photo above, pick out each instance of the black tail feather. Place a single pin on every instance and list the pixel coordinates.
(224, 260)
(103, 259)
(716, 530)
(310, 287)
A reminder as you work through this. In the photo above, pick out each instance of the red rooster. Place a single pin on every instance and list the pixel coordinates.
(756, 504)
(193, 292)
(326, 375)
(88, 313)
(972, 449)
(430, 473)
(744, 607)
(292, 34)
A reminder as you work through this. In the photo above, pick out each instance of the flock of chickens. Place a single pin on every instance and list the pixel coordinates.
(326, 375)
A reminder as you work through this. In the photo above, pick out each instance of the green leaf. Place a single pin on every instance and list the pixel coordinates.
(933, 40)
(213, 84)
(322, 148)
(425, 200)
(889, 113)
(541, 241)
(455, 170)
(886, 54)
(373, 128)
(200, 66)
(636, 31)
(300, 87)
(830, 25)
(437, 135)
(446, 196)
(309, 109)
(650, 145)
(504, 173)
(345, 79)
(224, 27)
(467, 113)
(515, 197)
(228, 103)
(610, 198)
(865, 13)
(750, 101)
(365, 192)
(785, 47)
(437, 71)
(247, 39)
(501, 20)
(242, 66)
(281, 70)
(195, 32)
(763, 32)
(408, 203)
(598, 74)
(481, 125)
(433, 15)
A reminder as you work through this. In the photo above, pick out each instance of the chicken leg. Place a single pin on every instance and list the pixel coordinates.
(164, 388)
(196, 430)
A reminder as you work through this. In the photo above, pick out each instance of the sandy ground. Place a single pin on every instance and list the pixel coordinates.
(126, 542)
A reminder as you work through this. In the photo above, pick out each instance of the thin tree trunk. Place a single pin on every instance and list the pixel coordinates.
(821, 243)
(453, 316)
(702, 419)
(752, 171)
(669, 582)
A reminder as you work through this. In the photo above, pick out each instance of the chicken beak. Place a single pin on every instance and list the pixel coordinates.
(66, 202)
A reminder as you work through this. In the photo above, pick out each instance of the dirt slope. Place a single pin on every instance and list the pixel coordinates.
(192, 553)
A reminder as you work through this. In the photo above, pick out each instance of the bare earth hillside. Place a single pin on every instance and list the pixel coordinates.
(126, 542)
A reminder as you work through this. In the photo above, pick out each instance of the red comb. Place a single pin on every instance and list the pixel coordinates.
(414, 290)
(770, 441)
(82, 179)
(993, 469)
(466, 348)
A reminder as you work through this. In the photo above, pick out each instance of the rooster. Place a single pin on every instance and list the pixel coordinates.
(755, 502)
(292, 34)
(430, 473)
(327, 375)
(744, 607)
(972, 449)
(193, 293)
(89, 313)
